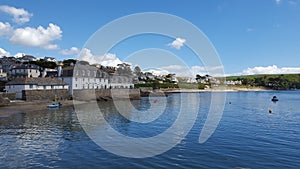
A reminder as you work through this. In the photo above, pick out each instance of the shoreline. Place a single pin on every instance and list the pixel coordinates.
(18, 106)
(235, 89)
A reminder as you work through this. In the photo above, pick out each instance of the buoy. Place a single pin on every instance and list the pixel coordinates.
(229, 102)
(270, 111)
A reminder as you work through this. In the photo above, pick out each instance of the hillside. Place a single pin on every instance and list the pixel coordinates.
(274, 81)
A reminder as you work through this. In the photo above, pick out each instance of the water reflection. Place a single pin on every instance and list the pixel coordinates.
(33, 139)
(247, 132)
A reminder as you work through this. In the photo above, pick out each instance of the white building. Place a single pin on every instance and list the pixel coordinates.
(3, 75)
(19, 84)
(84, 76)
(25, 70)
(81, 77)
(121, 82)
(49, 59)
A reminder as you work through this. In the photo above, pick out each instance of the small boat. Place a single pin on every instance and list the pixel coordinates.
(54, 105)
(275, 99)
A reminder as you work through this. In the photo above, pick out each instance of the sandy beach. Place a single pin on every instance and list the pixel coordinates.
(24, 106)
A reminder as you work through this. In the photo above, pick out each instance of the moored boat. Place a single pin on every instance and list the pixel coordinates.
(54, 105)
(274, 99)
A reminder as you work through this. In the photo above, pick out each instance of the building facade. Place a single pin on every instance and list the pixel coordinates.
(91, 77)
(18, 85)
(80, 77)
(25, 71)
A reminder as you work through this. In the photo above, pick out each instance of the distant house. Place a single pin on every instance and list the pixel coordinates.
(26, 58)
(149, 76)
(47, 72)
(50, 59)
(122, 77)
(7, 63)
(234, 82)
(25, 70)
(19, 85)
(172, 77)
(120, 81)
(3, 75)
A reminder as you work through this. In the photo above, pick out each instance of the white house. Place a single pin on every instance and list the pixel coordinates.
(81, 77)
(19, 84)
(3, 75)
(84, 76)
(49, 59)
(25, 70)
(120, 82)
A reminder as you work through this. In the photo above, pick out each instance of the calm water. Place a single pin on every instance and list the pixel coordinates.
(247, 136)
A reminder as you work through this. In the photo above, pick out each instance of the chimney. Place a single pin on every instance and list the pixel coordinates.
(59, 69)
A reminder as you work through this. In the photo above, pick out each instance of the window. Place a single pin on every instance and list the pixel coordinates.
(44, 87)
(75, 85)
(31, 86)
(52, 87)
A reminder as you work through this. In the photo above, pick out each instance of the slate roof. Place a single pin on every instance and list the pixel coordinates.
(26, 66)
(47, 81)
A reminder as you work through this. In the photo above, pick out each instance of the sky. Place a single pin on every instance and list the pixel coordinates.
(250, 36)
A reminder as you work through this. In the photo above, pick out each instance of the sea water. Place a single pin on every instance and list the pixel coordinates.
(247, 136)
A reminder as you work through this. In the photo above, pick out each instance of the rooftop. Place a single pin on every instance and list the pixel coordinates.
(37, 81)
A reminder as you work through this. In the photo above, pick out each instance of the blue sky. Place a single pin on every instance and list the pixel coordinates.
(251, 36)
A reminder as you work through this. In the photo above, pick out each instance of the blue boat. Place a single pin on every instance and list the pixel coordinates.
(54, 105)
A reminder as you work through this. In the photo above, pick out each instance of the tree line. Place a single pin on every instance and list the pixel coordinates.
(276, 82)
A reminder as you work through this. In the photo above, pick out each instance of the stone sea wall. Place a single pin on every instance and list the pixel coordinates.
(106, 94)
(31, 95)
(10, 96)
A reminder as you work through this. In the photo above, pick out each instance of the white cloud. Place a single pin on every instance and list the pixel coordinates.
(157, 72)
(20, 15)
(71, 51)
(107, 59)
(4, 53)
(177, 43)
(6, 29)
(19, 55)
(185, 71)
(173, 67)
(271, 70)
(278, 2)
(51, 47)
(37, 37)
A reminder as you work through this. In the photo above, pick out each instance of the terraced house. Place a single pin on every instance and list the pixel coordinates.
(25, 70)
(44, 88)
